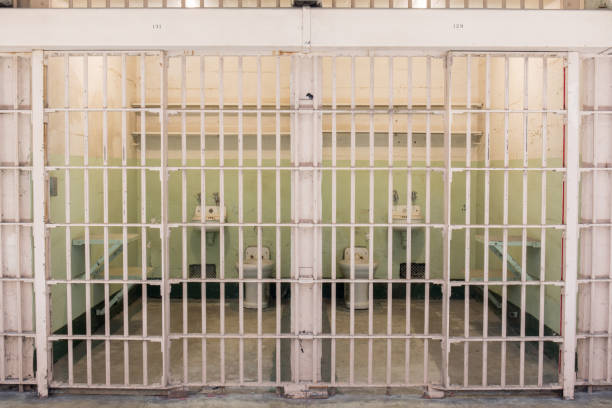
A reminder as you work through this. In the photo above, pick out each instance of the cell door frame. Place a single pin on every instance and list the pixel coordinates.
(40, 200)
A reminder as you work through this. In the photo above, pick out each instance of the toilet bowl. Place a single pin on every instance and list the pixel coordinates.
(362, 271)
(249, 271)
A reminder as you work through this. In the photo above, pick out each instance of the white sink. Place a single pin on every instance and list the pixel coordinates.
(400, 216)
(212, 216)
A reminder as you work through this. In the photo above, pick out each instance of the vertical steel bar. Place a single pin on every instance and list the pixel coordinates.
(68, 211)
(124, 219)
(390, 228)
(184, 217)
(408, 270)
(505, 218)
(448, 66)
(371, 229)
(105, 216)
(143, 217)
(487, 164)
(524, 220)
(38, 227)
(277, 213)
(334, 142)
(352, 229)
(18, 217)
(468, 206)
(240, 221)
(571, 238)
(203, 206)
(2, 288)
(164, 232)
(222, 219)
(85, 96)
(259, 231)
(427, 218)
(594, 235)
(542, 287)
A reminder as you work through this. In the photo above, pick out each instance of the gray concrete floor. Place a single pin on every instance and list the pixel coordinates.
(190, 369)
(253, 400)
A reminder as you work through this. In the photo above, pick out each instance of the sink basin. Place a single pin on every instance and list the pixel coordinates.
(212, 216)
(400, 216)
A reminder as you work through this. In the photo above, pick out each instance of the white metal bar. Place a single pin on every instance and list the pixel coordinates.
(468, 204)
(389, 229)
(371, 229)
(124, 220)
(18, 216)
(259, 231)
(240, 220)
(221, 73)
(408, 271)
(277, 213)
(485, 314)
(524, 219)
(334, 142)
(594, 236)
(572, 210)
(143, 219)
(164, 231)
(447, 232)
(543, 220)
(203, 202)
(504, 306)
(38, 229)
(184, 244)
(88, 329)
(427, 219)
(105, 216)
(67, 203)
(352, 229)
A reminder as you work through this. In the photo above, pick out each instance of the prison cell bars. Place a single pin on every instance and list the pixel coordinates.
(16, 335)
(352, 225)
(593, 334)
(89, 281)
(241, 336)
(542, 282)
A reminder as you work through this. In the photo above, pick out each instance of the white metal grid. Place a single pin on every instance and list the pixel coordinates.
(378, 118)
(532, 115)
(111, 112)
(220, 118)
(594, 278)
(16, 272)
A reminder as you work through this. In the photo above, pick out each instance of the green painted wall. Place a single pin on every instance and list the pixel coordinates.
(553, 237)
(57, 236)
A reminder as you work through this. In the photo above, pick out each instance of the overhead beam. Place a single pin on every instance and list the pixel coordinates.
(283, 29)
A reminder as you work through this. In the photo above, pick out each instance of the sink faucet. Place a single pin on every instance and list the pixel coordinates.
(216, 198)
(395, 197)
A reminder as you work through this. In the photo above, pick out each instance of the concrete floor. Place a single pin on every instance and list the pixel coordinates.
(253, 400)
(192, 366)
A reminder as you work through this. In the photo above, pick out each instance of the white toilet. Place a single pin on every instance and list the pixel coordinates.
(249, 271)
(362, 271)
